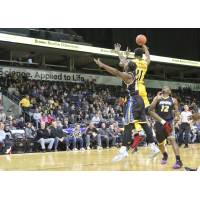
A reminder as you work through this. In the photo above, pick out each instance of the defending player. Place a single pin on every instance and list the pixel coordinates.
(141, 71)
(134, 106)
(165, 107)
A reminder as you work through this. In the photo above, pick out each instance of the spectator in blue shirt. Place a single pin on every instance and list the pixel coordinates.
(117, 118)
(80, 96)
(87, 94)
(79, 103)
(35, 93)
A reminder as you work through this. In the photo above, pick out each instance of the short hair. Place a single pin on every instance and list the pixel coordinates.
(139, 52)
(132, 66)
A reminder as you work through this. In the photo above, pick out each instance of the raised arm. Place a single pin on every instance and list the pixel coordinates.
(155, 101)
(147, 54)
(121, 57)
(113, 71)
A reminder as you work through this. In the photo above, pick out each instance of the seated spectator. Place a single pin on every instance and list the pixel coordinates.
(11, 127)
(93, 114)
(58, 122)
(15, 124)
(108, 96)
(121, 114)
(65, 126)
(43, 118)
(86, 111)
(9, 114)
(29, 131)
(94, 95)
(5, 145)
(92, 135)
(107, 136)
(59, 115)
(72, 119)
(142, 135)
(87, 93)
(51, 101)
(43, 137)
(117, 118)
(55, 87)
(2, 115)
(66, 108)
(49, 118)
(116, 134)
(79, 118)
(17, 93)
(68, 101)
(72, 111)
(56, 103)
(77, 134)
(84, 102)
(37, 117)
(52, 115)
(96, 119)
(111, 118)
(80, 96)
(86, 120)
(35, 93)
(22, 125)
(79, 103)
(58, 135)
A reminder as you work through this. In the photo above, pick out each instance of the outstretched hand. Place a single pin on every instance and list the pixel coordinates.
(128, 52)
(194, 117)
(117, 47)
(144, 47)
(98, 62)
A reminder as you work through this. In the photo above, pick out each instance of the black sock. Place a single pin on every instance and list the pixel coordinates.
(165, 154)
(178, 158)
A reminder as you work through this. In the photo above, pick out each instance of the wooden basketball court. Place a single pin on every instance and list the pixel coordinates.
(98, 160)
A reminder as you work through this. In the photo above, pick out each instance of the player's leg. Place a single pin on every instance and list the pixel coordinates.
(180, 139)
(163, 151)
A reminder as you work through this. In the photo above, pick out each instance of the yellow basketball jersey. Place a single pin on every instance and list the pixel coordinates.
(141, 69)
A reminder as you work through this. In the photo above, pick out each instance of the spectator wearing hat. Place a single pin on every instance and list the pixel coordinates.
(9, 114)
(2, 115)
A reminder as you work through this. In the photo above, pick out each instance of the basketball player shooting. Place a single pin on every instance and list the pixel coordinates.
(166, 107)
(141, 70)
(134, 106)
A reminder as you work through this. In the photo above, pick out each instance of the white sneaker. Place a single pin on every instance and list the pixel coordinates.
(88, 147)
(98, 147)
(82, 149)
(154, 152)
(8, 150)
(75, 149)
(122, 154)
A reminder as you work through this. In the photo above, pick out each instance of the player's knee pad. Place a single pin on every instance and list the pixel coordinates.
(147, 111)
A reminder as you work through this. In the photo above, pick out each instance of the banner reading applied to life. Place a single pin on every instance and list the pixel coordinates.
(88, 49)
(47, 75)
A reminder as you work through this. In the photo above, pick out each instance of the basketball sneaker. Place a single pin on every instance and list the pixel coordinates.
(164, 160)
(8, 151)
(189, 169)
(154, 151)
(98, 147)
(136, 141)
(122, 154)
(178, 164)
(82, 149)
(135, 150)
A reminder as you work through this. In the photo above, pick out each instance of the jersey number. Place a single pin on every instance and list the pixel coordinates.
(138, 72)
(165, 109)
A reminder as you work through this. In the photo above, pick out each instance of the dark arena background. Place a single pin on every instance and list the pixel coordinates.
(51, 91)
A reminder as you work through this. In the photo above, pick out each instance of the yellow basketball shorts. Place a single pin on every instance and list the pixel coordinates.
(143, 94)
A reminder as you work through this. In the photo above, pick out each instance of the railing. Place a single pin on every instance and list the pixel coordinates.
(14, 99)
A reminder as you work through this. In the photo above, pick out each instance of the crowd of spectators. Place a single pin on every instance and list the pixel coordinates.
(93, 112)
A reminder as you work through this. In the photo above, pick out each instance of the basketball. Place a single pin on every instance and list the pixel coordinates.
(141, 40)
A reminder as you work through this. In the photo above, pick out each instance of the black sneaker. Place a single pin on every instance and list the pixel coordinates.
(43, 151)
(49, 150)
(179, 145)
(186, 146)
(135, 150)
